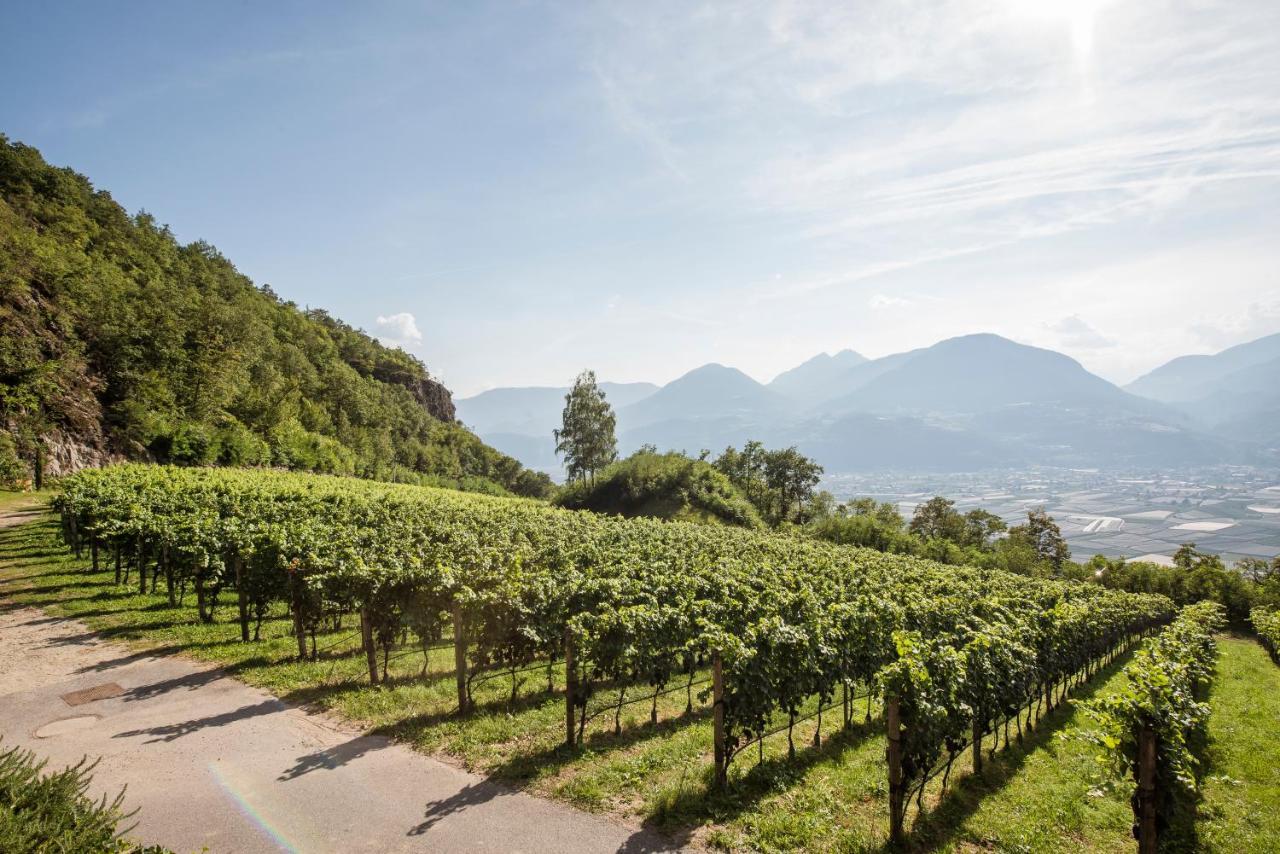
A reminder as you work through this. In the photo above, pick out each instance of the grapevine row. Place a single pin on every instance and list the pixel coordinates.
(1149, 729)
(635, 603)
(1266, 622)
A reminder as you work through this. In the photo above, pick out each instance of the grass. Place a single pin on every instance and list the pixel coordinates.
(1240, 811)
(1038, 796)
(11, 500)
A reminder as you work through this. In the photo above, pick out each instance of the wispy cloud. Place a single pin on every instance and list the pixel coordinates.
(962, 123)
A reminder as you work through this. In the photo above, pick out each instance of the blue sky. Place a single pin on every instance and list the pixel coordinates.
(516, 191)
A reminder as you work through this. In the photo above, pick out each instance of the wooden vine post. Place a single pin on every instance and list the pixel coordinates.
(1146, 791)
(142, 566)
(717, 694)
(299, 631)
(570, 688)
(893, 753)
(977, 746)
(242, 596)
(460, 657)
(366, 640)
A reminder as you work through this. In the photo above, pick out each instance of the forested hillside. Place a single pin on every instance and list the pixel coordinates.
(118, 341)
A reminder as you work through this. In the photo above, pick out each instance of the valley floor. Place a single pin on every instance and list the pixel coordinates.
(1040, 795)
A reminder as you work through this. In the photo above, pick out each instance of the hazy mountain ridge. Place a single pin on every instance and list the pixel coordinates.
(712, 391)
(811, 381)
(975, 401)
(1190, 378)
(1234, 393)
(535, 410)
(977, 373)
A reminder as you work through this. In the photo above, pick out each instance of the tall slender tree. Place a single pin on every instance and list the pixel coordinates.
(586, 436)
(1044, 536)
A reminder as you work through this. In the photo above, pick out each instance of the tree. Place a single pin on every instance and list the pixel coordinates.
(746, 469)
(937, 519)
(1188, 557)
(586, 436)
(981, 527)
(1257, 569)
(1044, 537)
(885, 513)
(791, 478)
(779, 483)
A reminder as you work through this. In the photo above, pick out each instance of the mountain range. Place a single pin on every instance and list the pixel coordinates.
(1235, 393)
(972, 402)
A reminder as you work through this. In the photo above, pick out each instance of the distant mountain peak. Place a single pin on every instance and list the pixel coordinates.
(711, 390)
(813, 379)
(709, 369)
(980, 372)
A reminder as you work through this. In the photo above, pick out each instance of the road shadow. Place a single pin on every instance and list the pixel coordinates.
(469, 796)
(648, 841)
(173, 732)
(335, 757)
(188, 682)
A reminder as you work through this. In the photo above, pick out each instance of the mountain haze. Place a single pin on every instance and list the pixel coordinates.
(711, 391)
(811, 381)
(1235, 393)
(535, 409)
(970, 402)
(1190, 378)
(976, 373)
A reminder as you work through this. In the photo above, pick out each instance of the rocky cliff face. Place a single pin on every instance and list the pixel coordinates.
(65, 454)
(435, 398)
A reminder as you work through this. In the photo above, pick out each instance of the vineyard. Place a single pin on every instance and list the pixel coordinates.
(1266, 622)
(787, 628)
(1151, 729)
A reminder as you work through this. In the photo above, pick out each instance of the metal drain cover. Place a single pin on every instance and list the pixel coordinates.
(88, 695)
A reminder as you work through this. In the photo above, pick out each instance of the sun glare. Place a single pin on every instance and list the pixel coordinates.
(1079, 16)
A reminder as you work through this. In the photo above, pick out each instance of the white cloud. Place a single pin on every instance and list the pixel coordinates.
(1074, 331)
(398, 330)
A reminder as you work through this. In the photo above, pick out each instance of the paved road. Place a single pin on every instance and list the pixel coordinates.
(213, 762)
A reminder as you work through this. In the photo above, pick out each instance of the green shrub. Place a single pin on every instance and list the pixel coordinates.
(295, 447)
(192, 445)
(664, 486)
(13, 471)
(51, 812)
(237, 445)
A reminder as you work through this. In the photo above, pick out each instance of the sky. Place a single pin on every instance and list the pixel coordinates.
(515, 192)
